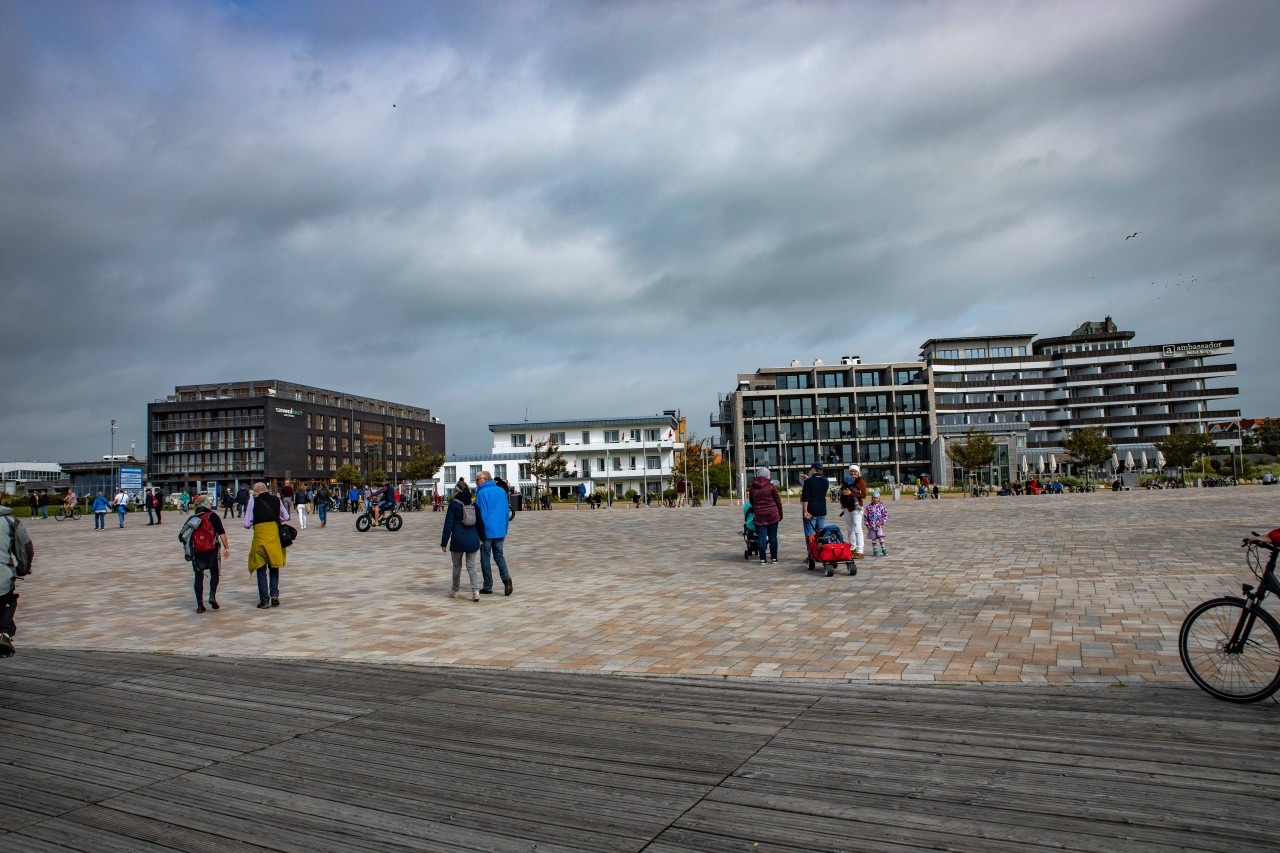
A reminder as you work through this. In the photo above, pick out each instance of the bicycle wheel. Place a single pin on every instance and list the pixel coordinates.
(363, 523)
(75, 514)
(57, 516)
(394, 522)
(1247, 674)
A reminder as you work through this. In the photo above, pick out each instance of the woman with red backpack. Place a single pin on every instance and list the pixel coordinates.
(202, 549)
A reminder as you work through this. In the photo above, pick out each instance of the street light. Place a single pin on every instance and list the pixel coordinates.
(113, 454)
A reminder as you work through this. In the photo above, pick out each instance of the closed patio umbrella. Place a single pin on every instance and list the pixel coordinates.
(1128, 460)
(1052, 462)
(1159, 460)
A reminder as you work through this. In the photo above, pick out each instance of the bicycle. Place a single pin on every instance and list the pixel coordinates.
(1231, 646)
(390, 520)
(63, 512)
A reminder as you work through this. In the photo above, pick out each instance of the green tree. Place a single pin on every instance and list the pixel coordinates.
(546, 462)
(378, 477)
(721, 476)
(1267, 435)
(348, 475)
(422, 464)
(1182, 449)
(691, 463)
(1087, 447)
(978, 450)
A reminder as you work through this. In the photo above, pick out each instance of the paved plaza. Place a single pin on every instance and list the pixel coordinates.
(1071, 588)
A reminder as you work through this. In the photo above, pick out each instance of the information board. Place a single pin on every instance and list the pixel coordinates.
(131, 479)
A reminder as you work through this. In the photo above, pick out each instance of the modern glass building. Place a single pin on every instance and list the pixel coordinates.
(232, 433)
(1026, 392)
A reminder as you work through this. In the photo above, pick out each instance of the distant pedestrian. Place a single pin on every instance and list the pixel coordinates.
(263, 516)
(228, 502)
(149, 504)
(242, 501)
(874, 516)
(286, 494)
(715, 494)
(16, 554)
(300, 503)
(158, 494)
(494, 509)
(682, 488)
(767, 505)
(322, 501)
(44, 505)
(353, 499)
(121, 503)
(210, 561)
(100, 507)
(461, 539)
(34, 500)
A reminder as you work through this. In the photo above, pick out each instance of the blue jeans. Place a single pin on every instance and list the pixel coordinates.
(263, 592)
(99, 521)
(492, 548)
(768, 535)
(813, 525)
(322, 510)
(122, 511)
(151, 515)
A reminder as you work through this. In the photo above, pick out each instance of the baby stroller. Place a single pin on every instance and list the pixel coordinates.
(828, 547)
(750, 536)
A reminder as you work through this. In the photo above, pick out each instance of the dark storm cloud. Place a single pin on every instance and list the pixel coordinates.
(592, 209)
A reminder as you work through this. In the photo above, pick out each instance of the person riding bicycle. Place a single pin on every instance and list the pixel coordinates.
(69, 502)
(386, 500)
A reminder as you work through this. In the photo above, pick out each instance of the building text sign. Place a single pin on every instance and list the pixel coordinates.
(131, 479)
(1202, 348)
(288, 413)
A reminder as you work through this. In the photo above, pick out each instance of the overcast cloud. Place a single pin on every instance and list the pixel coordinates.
(593, 209)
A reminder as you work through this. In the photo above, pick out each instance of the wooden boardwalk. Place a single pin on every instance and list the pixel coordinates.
(136, 752)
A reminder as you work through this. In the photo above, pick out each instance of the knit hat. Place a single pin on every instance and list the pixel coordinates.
(875, 493)
(762, 472)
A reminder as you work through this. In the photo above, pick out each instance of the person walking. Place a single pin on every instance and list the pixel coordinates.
(263, 516)
(461, 539)
(852, 493)
(813, 500)
(121, 503)
(100, 507)
(353, 499)
(149, 503)
(16, 554)
(34, 500)
(44, 505)
(300, 503)
(767, 505)
(286, 494)
(242, 501)
(494, 508)
(228, 502)
(322, 499)
(715, 494)
(210, 561)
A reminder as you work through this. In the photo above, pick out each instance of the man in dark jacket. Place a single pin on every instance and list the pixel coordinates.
(813, 500)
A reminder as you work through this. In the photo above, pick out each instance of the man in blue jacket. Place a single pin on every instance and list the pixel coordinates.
(494, 510)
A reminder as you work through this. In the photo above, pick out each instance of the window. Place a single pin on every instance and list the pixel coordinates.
(612, 436)
(450, 473)
(873, 403)
(873, 428)
(763, 432)
(798, 431)
(946, 353)
(831, 380)
(906, 377)
(795, 407)
(653, 463)
(557, 438)
(475, 472)
(333, 423)
(309, 420)
(519, 439)
(308, 441)
(793, 380)
(870, 377)
(600, 464)
(586, 467)
(635, 435)
(759, 408)
(877, 451)
(346, 425)
(358, 427)
(912, 426)
(835, 429)
(835, 405)
(976, 352)
(633, 463)
(913, 402)
(333, 463)
(586, 436)
(653, 436)
(1001, 352)
(524, 471)
(617, 463)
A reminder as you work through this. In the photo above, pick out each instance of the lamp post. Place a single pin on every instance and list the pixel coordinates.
(113, 454)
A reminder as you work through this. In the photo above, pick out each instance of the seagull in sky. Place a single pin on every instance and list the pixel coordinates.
(1134, 234)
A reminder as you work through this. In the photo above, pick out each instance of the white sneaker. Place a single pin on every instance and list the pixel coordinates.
(453, 594)
(475, 595)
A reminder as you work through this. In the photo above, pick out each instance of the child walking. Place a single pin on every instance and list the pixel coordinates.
(874, 517)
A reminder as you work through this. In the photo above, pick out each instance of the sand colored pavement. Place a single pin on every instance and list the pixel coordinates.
(1071, 588)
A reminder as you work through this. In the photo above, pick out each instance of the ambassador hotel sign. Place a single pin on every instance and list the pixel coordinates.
(1202, 348)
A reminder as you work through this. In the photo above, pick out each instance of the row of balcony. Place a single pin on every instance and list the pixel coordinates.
(1091, 402)
(1208, 370)
(158, 425)
(204, 446)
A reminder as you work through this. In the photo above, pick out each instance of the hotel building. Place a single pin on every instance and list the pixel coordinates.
(233, 433)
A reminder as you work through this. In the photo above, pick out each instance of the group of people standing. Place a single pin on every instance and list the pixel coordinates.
(858, 509)
(264, 514)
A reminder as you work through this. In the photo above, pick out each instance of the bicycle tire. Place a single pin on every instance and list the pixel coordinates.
(363, 523)
(75, 514)
(394, 522)
(57, 516)
(1246, 676)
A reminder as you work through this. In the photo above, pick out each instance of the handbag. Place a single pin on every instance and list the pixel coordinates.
(287, 535)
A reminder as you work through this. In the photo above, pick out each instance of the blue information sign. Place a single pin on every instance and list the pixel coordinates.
(131, 479)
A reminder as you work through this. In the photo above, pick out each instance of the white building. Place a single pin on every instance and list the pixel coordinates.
(614, 454)
(30, 475)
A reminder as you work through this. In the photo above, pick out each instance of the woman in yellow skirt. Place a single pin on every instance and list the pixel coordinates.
(264, 516)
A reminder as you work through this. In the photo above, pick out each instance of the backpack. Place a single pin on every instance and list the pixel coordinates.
(186, 531)
(203, 539)
(21, 550)
(468, 515)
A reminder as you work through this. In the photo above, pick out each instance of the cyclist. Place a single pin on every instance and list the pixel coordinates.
(386, 500)
(69, 502)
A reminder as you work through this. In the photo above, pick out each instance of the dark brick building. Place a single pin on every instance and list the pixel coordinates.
(231, 433)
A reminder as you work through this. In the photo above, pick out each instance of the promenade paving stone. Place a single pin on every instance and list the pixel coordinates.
(1073, 588)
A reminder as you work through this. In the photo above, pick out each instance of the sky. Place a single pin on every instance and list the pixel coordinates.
(554, 210)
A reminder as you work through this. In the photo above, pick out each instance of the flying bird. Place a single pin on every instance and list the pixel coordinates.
(1134, 234)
